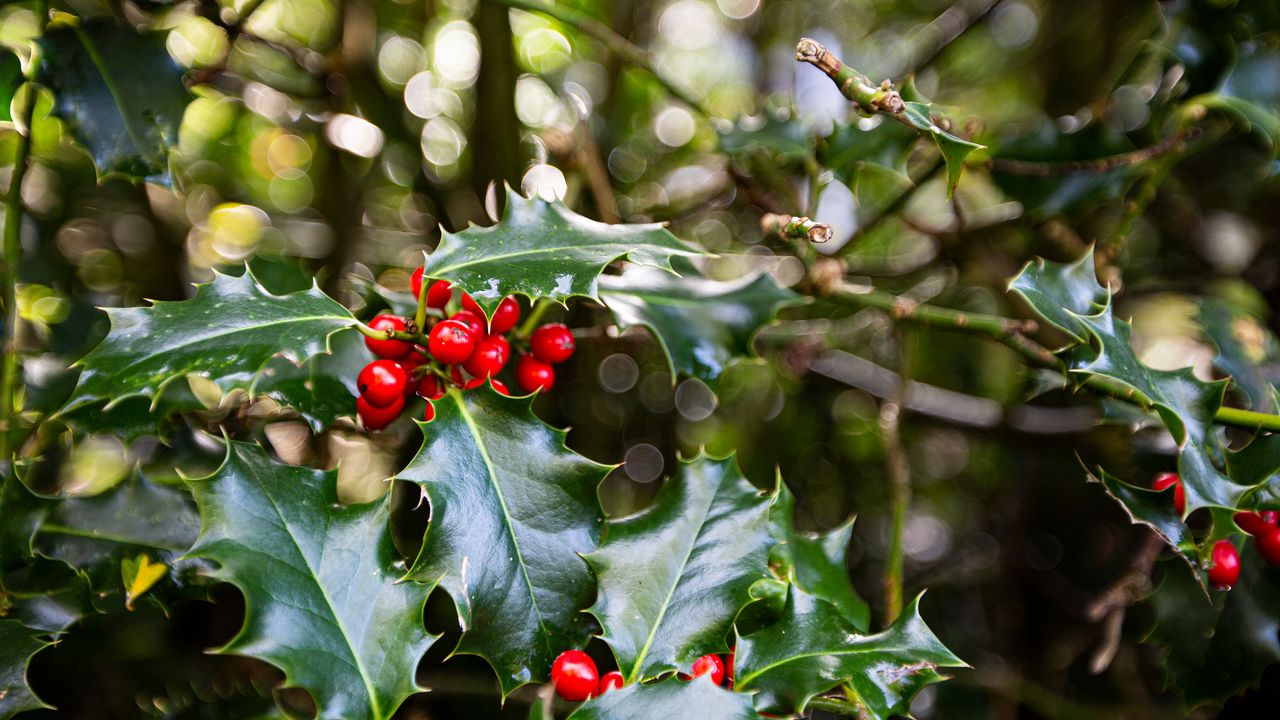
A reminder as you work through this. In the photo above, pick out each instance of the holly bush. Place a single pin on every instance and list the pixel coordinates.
(521, 358)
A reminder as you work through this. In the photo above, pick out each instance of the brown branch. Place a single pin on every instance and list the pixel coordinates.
(1172, 144)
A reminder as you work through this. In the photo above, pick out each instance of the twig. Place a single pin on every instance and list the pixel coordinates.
(1172, 144)
(617, 44)
(13, 212)
(855, 86)
(1112, 604)
(898, 473)
(898, 202)
(789, 227)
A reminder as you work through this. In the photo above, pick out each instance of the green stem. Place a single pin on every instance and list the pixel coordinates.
(837, 707)
(420, 317)
(616, 44)
(898, 473)
(540, 308)
(13, 212)
(369, 332)
(855, 86)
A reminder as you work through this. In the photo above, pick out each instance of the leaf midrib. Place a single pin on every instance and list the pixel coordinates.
(107, 80)
(56, 529)
(637, 669)
(863, 650)
(337, 620)
(502, 502)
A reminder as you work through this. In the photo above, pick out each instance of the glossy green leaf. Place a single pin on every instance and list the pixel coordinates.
(701, 324)
(783, 141)
(1218, 644)
(95, 535)
(512, 510)
(323, 596)
(668, 699)
(954, 149)
(10, 80)
(227, 333)
(816, 562)
(17, 645)
(545, 250)
(1247, 351)
(1069, 297)
(850, 149)
(812, 649)
(323, 388)
(673, 577)
(118, 90)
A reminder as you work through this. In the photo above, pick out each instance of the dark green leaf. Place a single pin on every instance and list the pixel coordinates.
(1220, 644)
(701, 324)
(1069, 297)
(954, 149)
(512, 510)
(227, 333)
(785, 142)
(544, 249)
(17, 645)
(850, 149)
(323, 597)
(1247, 351)
(10, 80)
(668, 699)
(673, 577)
(812, 650)
(118, 90)
(323, 388)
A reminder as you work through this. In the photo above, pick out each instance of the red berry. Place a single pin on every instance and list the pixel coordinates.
(470, 305)
(1257, 523)
(611, 680)
(429, 414)
(376, 418)
(506, 316)
(1269, 547)
(439, 294)
(500, 386)
(533, 375)
(1225, 568)
(552, 343)
(574, 675)
(728, 669)
(382, 382)
(487, 359)
(451, 342)
(455, 373)
(390, 349)
(430, 387)
(1163, 481)
(415, 282)
(474, 322)
(709, 665)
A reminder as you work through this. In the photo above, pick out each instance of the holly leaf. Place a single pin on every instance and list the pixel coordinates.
(118, 90)
(1068, 295)
(670, 698)
(323, 388)
(545, 250)
(954, 149)
(512, 510)
(10, 80)
(323, 601)
(139, 575)
(17, 644)
(783, 141)
(812, 649)
(1247, 351)
(1219, 644)
(227, 333)
(701, 324)
(96, 535)
(673, 577)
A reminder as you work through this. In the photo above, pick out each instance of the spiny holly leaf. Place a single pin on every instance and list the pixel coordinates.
(323, 601)
(817, 563)
(17, 645)
(849, 149)
(544, 249)
(673, 577)
(812, 650)
(226, 333)
(1247, 351)
(670, 698)
(701, 324)
(1068, 296)
(512, 509)
(1219, 645)
(96, 534)
(954, 149)
(118, 90)
(323, 388)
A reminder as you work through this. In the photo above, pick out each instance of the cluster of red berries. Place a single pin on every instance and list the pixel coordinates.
(1224, 568)
(458, 349)
(575, 678)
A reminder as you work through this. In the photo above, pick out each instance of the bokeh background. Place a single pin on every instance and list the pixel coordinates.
(334, 139)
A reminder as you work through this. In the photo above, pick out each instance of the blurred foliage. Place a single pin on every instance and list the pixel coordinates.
(339, 138)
